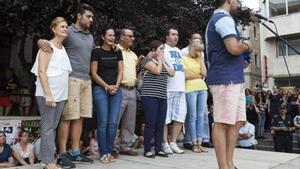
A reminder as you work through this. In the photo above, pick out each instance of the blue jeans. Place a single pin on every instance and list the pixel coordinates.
(197, 120)
(155, 110)
(107, 112)
(261, 124)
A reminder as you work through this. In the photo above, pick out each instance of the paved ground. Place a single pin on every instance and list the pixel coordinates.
(244, 159)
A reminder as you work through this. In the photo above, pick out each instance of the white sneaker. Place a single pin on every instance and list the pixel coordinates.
(175, 148)
(167, 149)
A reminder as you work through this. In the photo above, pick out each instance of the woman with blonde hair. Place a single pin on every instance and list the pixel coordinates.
(196, 96)
(52, 71)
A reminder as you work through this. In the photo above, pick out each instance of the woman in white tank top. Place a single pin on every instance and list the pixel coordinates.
(52, 71)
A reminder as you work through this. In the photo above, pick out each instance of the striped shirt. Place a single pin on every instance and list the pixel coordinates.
(154, 85)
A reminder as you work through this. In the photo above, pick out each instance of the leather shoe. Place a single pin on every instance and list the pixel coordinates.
(188, 146)
(115, 153)
(208, 145)
(151, 155)
(161, 154)
(129, 153)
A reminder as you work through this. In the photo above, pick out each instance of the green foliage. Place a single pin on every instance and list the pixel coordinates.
(149, 18)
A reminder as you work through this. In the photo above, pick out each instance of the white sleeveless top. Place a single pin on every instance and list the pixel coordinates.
(58, 71)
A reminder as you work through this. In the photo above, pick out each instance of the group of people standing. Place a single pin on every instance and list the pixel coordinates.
(73, 75)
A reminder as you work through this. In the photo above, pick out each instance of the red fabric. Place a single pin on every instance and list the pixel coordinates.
(5, 101)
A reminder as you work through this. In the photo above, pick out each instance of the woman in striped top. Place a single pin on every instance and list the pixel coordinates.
(154, 97)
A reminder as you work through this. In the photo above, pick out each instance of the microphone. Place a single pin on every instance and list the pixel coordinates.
(258, 17)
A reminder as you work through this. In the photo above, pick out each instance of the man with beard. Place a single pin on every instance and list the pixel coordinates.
(225, 78)
(79, 45)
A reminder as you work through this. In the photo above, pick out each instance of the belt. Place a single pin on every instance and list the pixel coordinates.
(128, 87)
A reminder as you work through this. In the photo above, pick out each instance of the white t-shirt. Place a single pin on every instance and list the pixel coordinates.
(185, 51)
(174, 58)
(58, 71)
(247, 128)
(23, 153)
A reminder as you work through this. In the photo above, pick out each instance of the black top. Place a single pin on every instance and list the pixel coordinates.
(275, 100)
(277, 121)
(107, 64)
(5, 154)
(154, 85)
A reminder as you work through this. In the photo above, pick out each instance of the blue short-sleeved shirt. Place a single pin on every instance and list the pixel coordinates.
(5, 154)
(224, 68)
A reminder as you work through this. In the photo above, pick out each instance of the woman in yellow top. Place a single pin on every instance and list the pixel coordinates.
(197, 129)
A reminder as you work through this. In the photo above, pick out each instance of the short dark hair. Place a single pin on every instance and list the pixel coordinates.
(155, 44)
(167, 31)
(219, 3)
(81, 8)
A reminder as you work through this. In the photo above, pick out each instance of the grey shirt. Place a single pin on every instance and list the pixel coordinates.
(79, 46)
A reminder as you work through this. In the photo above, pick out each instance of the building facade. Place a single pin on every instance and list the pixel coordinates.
(253, 71)
(280, 64)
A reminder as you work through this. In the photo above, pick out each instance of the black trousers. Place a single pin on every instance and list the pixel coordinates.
(283, 143)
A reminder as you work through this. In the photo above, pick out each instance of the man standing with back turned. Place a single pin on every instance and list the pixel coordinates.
(226, 78)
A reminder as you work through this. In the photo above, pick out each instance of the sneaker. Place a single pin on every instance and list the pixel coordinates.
(176, 149)
(65, 162)
(167, 149)
(82, 159)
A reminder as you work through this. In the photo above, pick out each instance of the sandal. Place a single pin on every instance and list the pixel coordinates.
(202, 149)
(195, 148)
(104, 159)
(111, 158)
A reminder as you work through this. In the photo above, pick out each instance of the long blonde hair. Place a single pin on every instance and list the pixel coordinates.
(197, 47)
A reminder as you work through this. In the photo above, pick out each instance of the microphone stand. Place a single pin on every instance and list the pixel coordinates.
(285, 42)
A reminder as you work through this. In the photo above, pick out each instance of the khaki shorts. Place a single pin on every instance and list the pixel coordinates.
(79, 102)
(229, 103)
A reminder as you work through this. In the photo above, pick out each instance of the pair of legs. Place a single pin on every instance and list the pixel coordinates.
(283, 143)
(107, 113)
(176, 127)
(176, 113)
(127, 118)
(261, 125)
(6, 105)
(229, 116)
(5, 110)
(49, 121)
(197, 119)
(72, 127)
(224, 139)
(78, 107)
(155, 115)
